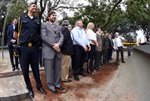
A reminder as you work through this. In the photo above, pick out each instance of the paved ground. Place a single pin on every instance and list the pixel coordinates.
(110, 83)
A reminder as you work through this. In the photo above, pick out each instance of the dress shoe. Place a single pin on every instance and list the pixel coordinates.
(13, 68)
(117, 62)
(42, 90)
(67, 81)
(123, 62)
(76, 78)
(70, 76)
(41, 65)
(91, 72)
(17, 68)
(53, 90)
(83, 74)
(61, 88)
(96, 68)
(31, 93)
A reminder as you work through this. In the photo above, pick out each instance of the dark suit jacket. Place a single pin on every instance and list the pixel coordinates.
(111, 44)
(10, 32)
(106, 43)
(67, 46)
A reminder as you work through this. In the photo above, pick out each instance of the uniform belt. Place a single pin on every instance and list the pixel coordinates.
(30, 44)
(120, 47)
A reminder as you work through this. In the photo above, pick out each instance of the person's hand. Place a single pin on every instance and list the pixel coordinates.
(89, 47)
(56, 47)
(13, 40)
(115, 49)
(96, 44)
(85, 49)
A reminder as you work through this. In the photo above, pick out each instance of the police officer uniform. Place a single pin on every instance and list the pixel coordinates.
(28, 40)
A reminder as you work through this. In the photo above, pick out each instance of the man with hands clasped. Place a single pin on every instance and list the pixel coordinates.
(12, 41)
(52, 39)
(80, 46)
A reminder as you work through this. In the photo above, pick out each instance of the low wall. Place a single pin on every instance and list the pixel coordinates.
(141, 65)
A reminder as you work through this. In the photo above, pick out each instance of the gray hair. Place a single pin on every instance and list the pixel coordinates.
(77, 22)
(116, 33)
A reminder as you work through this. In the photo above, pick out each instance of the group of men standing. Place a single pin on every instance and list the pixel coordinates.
(58, 46)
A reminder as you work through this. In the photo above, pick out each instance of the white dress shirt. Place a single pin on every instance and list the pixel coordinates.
(117, 42)
(91, 36)
(79, 37)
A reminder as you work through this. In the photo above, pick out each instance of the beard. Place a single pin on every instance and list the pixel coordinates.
(53, 20)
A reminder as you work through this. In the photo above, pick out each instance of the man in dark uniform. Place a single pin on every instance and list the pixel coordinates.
(11, 42)
(28, 40)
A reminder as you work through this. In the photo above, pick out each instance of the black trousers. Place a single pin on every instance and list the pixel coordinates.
(120, 50)
(105, 54)
(110, 52)
(40, 57)
(11, 54)
(91, 57)
(29, 56)
(78, 59)
(97, 63)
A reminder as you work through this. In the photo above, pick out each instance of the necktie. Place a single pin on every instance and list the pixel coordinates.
(54, 28)
(13, 27)
(53, 25)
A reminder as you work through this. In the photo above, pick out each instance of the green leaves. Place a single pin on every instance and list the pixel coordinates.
(17, 9)
(139, 11)
(111, 16)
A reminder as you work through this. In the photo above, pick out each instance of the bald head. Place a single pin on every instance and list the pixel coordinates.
(116, 34)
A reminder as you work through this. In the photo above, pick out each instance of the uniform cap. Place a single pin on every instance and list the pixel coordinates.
(65, 22)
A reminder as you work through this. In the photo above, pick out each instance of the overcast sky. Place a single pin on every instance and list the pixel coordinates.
(70, 12)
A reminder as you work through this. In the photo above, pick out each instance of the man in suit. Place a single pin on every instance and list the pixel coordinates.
(110, 50)
(105, 47)
(52, 39)
(11, 42)
(98, 52)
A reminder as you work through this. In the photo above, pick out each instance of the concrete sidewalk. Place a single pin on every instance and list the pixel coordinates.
(110, 83)
(12, 85)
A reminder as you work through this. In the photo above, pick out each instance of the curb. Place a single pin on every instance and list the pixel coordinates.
(15, 98)
(15, 73)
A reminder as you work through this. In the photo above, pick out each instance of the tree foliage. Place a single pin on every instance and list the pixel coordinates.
(139, 13)
(46, 6)
(16, 9)
(116, 15)
(99, 12)
(107, 14)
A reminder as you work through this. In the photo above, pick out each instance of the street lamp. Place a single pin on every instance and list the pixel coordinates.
(2, 16)
(64, 15)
